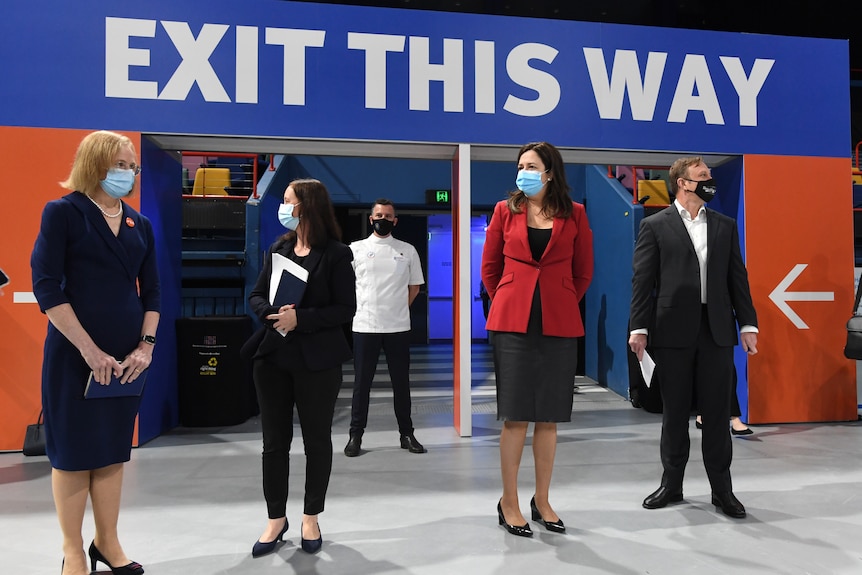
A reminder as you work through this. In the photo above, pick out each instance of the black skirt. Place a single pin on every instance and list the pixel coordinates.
(535, 373)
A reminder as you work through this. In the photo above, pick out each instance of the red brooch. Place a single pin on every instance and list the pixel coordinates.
(130, 222)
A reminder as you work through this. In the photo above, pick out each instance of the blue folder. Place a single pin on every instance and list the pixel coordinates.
(290, 290)
(96, 390)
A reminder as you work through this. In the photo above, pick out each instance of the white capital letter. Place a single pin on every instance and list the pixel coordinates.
(519, 70)
(485, 80)
(694, 76)
(747, 88)
(626, 75)
(450, 72)
(119, 58)
(195, 66)
(246, 64)
(295, 42)
(376, 47)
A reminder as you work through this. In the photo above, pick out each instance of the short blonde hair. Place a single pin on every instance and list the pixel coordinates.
(94, 157)
(679, 169)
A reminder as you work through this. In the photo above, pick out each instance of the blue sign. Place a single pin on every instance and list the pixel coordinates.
(291, 69)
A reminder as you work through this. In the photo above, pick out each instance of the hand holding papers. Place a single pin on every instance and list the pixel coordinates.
(286, 283)
(647, 367)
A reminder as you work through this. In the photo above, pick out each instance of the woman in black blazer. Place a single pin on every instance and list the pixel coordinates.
(298, 356)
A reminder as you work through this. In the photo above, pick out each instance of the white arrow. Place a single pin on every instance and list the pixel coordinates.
(780, 296)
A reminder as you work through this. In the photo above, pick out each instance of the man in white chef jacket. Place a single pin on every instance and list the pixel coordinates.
(388, 276)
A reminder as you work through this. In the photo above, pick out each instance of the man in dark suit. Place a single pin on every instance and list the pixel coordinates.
(689, 292)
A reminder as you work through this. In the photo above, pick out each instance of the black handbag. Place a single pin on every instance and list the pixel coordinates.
(853, 348)
(34, 439)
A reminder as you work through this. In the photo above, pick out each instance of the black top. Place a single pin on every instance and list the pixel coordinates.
(538, 239)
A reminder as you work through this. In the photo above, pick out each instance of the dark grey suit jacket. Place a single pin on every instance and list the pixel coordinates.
(666, 281)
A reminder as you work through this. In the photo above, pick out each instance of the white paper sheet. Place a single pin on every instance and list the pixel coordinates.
(281, 264)
(647, 368)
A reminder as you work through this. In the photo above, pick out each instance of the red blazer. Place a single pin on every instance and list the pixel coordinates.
(564, 272)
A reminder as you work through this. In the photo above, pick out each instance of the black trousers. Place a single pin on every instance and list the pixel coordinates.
(366, 351)
(703, 370)
(313, 393)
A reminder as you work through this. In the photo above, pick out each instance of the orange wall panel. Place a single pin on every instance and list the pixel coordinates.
(798, 212)
(32, 161)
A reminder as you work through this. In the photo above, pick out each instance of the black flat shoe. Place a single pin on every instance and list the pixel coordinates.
(261, 548)
(661, 497)
(698, 424)
(311, 545)
(729, 504)
(519, 530)
(555, 526)
(409, 443)
(746, 431)
(132, 568)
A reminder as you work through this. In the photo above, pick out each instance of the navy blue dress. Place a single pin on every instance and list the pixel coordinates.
(109, 282)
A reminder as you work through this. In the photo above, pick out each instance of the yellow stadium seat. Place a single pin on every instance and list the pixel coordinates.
(211, 182)
(857, 179)
(655, 192)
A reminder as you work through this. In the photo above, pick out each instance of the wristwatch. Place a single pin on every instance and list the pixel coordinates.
(150, 339)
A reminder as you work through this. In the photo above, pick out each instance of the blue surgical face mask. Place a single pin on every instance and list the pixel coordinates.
(118, 183)
(286, 217)
(529, 182)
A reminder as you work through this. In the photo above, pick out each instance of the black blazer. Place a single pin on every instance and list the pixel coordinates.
(666, 281)
(329, 302)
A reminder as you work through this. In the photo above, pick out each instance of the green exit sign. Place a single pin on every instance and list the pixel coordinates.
(438, 197)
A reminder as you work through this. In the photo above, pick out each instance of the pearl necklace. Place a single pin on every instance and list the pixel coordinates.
(104, 213)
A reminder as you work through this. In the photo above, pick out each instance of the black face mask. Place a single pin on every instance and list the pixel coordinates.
(382, 227)
(705, 190)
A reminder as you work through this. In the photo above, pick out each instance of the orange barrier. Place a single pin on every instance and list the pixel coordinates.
(802, 286)
(24, 326)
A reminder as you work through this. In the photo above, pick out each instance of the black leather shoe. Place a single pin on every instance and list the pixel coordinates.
(354, 446)
(409, 443)
(698, 424)
(729, 504)
(746, 431)
(661, 497)
(519, 530)
(555, 526)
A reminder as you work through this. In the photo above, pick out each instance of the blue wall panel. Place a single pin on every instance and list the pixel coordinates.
(161, 202)
(301, 69)
(614, 221)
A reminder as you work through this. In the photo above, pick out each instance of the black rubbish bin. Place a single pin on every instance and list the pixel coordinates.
(214, 384)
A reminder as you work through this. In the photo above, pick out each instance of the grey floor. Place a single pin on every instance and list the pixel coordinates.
(193, 505)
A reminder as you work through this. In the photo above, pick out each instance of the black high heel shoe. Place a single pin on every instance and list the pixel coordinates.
(555, 526)
(132, 568)
(519, 530)
(261, 548)
(311, 545)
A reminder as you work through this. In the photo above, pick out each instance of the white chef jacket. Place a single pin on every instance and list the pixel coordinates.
(384, 268)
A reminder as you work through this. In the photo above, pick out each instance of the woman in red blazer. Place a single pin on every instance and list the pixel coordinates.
(536, 265)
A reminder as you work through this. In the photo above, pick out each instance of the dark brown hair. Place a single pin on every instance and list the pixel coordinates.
(316, 213)
(383, 202)
(556, 202)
